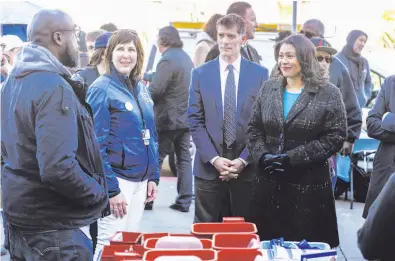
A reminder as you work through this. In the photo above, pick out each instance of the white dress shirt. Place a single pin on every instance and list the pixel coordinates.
(224, 76)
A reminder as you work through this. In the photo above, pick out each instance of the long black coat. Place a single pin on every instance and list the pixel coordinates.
(169, 89)
(299, 203)
(383, 130)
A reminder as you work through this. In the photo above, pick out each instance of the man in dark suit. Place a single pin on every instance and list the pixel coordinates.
(169, 90)
(247, 51)
(222, 93)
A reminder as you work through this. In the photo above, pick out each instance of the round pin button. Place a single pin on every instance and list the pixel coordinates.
(128, 106)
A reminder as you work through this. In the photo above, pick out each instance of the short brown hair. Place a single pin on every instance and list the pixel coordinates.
(231, 20)
(122, 37)
(91, 36)
(210, 27)
(239, 8)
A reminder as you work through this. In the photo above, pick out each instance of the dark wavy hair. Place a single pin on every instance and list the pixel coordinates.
(211, 26)
(311, 70)
(122, 37)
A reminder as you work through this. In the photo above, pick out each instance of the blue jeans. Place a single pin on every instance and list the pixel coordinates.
(51, 245)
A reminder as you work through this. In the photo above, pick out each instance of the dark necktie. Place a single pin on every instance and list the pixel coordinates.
(230, 107)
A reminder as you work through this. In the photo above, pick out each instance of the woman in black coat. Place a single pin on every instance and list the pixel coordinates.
(298, 122)
(381, 126)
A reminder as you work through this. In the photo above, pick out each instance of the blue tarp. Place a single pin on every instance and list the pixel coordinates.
(15, 29)
(15, 16)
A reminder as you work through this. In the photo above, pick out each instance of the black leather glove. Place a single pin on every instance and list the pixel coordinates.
(280, 163)
(266, 159)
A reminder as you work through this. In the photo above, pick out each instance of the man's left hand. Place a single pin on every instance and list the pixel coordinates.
(151, 192)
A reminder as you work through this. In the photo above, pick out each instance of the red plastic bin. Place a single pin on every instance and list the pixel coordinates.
(233, 241)
(233, 219)
(238, 254)
(127, 257)
(209, 229)
(151, 243)
(108, 253)
(203, 254)
(181, 235)
(125, 238)
(146, 236)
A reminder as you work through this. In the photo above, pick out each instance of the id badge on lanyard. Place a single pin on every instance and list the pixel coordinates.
(146, 135)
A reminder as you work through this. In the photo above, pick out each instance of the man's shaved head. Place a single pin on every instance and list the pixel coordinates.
(56, 31)
(314, 26)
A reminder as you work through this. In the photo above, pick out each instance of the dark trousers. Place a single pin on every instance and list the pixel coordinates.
(93, 232)
(210, 197)
(54, 245)
(178, 141)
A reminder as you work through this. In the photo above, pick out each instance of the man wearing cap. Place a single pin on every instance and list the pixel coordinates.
(96, 65)
(325, 56)
(169, 89)
(340, 77)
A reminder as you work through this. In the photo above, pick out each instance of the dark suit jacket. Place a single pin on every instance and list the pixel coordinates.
(377, 236)
(252, 54)
(205, 113)
(169, 89)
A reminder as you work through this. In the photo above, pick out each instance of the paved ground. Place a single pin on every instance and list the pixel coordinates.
(164, 219)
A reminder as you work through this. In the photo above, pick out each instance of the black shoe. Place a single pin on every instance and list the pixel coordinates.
(149, 206)
(179, 208)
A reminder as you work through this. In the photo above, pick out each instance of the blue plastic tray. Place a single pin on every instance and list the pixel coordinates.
(321, 246)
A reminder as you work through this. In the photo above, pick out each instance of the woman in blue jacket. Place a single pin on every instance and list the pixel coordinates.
(126, 133)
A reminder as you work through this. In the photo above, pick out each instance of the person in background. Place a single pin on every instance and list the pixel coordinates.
(110, 27)
(298, 122)
(125, 128)
(222, 93)
(169, 90)
(10, 46)
(381, 126)
(340, 77)
(96, 66)
(90, 40)
(53, 185)
(377, 235)
(246, 11)
(84, 55)
(206, 40)
(357, 65)
(324, 54)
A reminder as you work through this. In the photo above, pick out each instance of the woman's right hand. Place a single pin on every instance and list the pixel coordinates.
(118, 205)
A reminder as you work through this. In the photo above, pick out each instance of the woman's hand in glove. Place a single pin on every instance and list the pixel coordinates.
(266, 160)
(280, 163)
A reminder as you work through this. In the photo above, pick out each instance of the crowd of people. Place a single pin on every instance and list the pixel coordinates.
(83, 142)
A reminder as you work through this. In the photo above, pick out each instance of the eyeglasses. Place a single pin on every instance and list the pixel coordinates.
(76, 30)
(327, 59)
